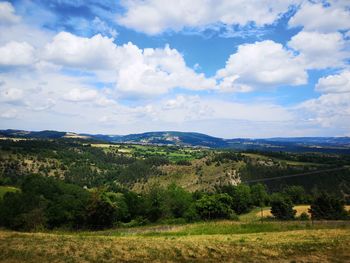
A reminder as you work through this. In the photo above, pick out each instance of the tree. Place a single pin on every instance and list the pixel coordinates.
(154, 202)
(23, 211)
(101, 212)
(329, 207)
(119, 202)
(282, 207)
(177, 201)
(259, 195)
(296, 193)
(241, 197)
(215, 206)
(136, 204)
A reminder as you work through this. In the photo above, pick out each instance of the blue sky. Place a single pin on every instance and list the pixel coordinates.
(243, 68)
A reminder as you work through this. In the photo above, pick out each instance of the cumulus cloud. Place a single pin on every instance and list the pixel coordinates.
(229, 84)
(16, 54)
(328, 110)
(136, 71)
(262, 64)
(157, 71)
(153, 16)
(7, 14)
(339, 83)
(332, 108)
(323, 18)
(45, 90)
(320, 50)
(66, 49)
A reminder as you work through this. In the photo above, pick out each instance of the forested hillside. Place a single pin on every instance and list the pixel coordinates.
(76, 183)
(91, 164)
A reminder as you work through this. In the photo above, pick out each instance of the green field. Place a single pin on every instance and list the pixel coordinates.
(224, 241)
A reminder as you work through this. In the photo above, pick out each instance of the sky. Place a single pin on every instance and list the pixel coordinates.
(227, 68)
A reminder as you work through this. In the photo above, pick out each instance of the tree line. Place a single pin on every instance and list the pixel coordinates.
(47, 203)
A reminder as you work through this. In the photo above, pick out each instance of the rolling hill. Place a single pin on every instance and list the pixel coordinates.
(192, 139)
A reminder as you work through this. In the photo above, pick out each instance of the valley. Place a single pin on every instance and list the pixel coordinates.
(78, 199)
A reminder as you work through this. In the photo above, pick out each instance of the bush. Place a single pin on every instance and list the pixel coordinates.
(282, 207)
(329, 207)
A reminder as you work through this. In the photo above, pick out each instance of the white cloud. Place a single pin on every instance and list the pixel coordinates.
(103, 28)
(153, 16)
(24, 33)
(45, 90)
(80, 94)
(10, 94)
(339, 83)
(157, 71)
(69, 50)
(135, 71)
(7, 14)
(194, 108)
(16, 54)
(320, 50)
(317, 17)
(228, 84)
(262, 64)
(332, 109)
(329, 110)
(9, 114)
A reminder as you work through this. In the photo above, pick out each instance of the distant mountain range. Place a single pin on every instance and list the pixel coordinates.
(297, 144)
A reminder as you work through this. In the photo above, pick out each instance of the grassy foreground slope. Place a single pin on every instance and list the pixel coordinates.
(204, 242)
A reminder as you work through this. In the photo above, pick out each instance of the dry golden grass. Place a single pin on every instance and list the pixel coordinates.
(326, 245)
(300, 209)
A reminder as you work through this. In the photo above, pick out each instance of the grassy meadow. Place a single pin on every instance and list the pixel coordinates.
(247, 240)
(224, 241)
